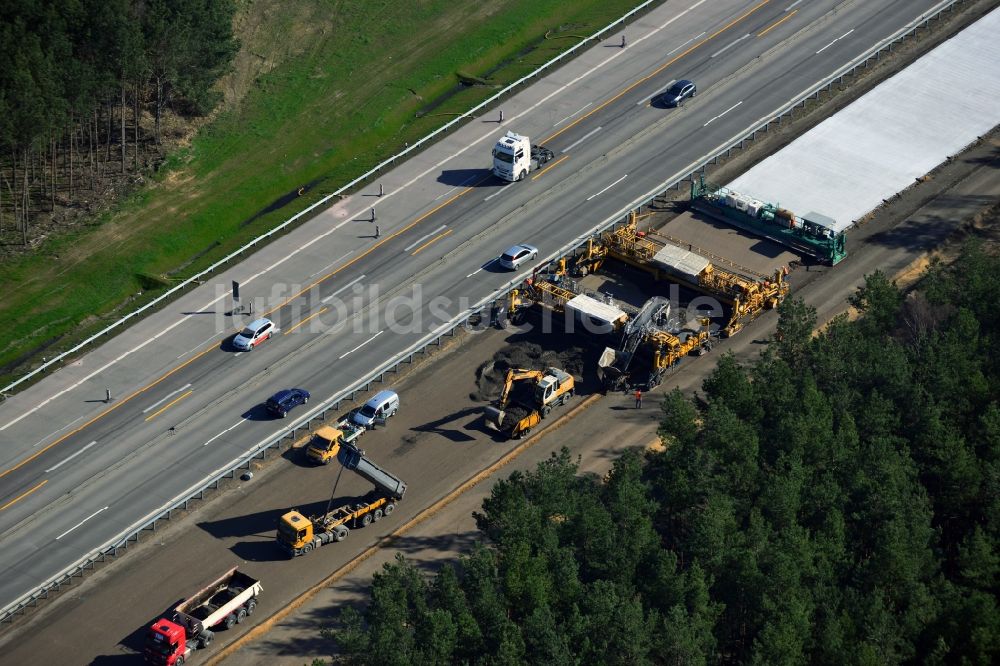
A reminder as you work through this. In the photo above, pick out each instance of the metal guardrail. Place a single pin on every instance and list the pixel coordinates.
(212, 481)
(196, 279)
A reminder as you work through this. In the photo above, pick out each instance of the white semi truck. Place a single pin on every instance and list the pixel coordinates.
(514, 157)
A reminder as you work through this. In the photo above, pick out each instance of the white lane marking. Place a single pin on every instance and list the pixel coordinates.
(789, 7)
(495, 194)
(730, 45)
(80, 523)
(201, 344)
(724, 112)
(215, 437)
(666, 87)
(488, 136)
(835, 41)
(346, 286)
(462, 184)
(474, 272)
(58, 465)
(597, 194)
(698, 36)
(53, 434)
(423, 238)
(237, 354)
(335, 261)
(362, 344)
(164, 399)
(573, 114)
(581, 139)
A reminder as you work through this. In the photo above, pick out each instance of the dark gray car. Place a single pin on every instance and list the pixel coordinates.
(679, 92)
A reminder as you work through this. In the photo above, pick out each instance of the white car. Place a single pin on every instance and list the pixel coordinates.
(255, 333)
(517, 255)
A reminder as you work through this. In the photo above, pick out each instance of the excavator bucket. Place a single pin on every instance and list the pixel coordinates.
(494, 417)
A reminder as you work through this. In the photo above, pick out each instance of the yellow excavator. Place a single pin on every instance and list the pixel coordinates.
(518, 411)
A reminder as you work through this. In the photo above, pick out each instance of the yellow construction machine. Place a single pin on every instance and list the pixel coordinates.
(518, 409)
(747, 293)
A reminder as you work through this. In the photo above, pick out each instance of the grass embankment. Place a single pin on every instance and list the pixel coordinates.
(337, 88)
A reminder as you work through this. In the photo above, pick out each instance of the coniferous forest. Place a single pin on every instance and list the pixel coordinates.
(84, 88)
(835, 502)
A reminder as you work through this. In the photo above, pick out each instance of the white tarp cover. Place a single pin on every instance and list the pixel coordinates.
(681, 261)
(900, 130)
(595, 309)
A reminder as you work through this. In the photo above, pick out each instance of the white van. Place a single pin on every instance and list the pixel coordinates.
(379, 408)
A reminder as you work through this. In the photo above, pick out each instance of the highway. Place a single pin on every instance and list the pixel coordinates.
(75, 471)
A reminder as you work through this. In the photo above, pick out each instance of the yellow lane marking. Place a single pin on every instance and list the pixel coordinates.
(655, 71)
(431, 241)
(23, 495)
(104, 413)
(169, 405)
(777, 23)
(315, 314)
(542, 172)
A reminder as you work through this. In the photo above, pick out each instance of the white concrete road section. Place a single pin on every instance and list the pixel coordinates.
(902, 129)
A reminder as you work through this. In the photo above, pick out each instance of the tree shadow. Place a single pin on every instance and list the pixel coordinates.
(467, 177)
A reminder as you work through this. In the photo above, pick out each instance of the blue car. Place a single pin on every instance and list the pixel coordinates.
(282, 402)
(678, 92)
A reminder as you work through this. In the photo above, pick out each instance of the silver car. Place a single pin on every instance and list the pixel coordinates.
(517, 255)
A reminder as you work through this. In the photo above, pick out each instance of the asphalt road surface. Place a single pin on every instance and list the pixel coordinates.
(74, 472)
(435, 444)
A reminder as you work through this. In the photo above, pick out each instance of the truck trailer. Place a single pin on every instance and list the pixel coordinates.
(298, 534)
(225, 602)
(514, 157)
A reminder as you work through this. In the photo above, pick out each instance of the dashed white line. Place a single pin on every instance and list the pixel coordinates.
(789, 7)
(666, 87)
(215, 437)
(495, 194)
(60, 464)
(597, 194)
(50, 435)
(475, 271)
(699, 36)
(80, 523)
(346, 286)
(423, 238)
(581, 139)
(200, 344)
(362, 344)
(730, 45)
(335, 261)
(577, 112)
(723, 113)
(835, 41)
(164, 399)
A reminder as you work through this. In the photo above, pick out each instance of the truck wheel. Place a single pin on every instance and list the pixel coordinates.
(207, 638)
(230, 621)
(241, 615)
(377, 516)
(307, 548)
(546, 410)
(521, 175)
(366, 520)
(389, 508)
(340, 534)
(251, 606)
(180, 660)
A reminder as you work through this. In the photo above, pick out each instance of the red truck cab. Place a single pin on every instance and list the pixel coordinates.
(166, 643)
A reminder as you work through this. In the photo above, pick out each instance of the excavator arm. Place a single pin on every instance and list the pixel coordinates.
(495, 415)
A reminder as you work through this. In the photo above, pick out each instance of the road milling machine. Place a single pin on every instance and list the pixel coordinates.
(527, 397)
(746, 292)
(298, 535)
